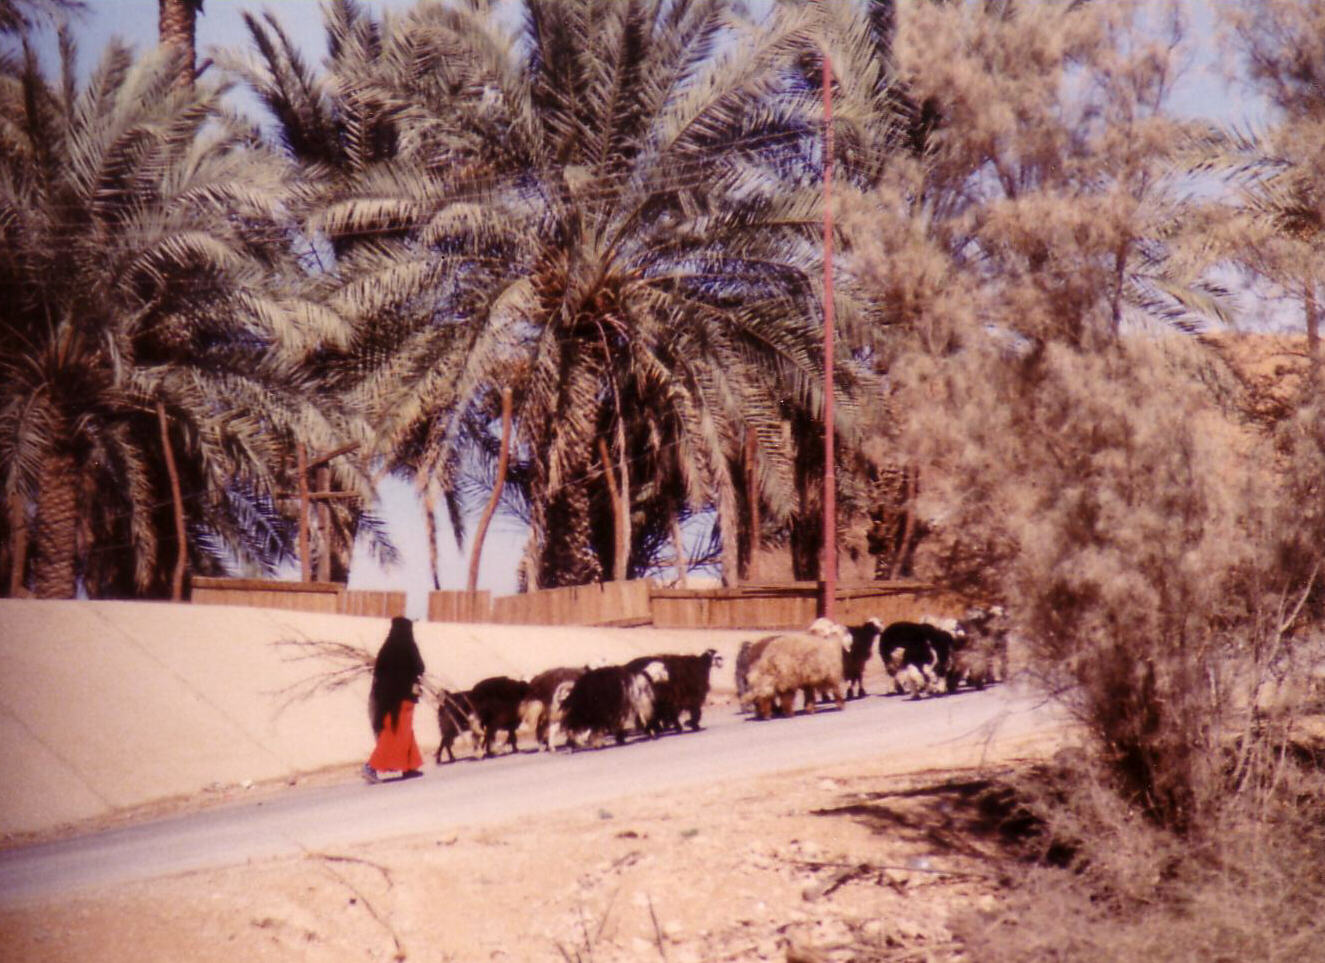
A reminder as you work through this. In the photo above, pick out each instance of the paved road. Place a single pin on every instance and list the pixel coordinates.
(467, 794)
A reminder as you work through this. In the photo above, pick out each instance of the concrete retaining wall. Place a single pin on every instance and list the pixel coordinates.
(106, 706)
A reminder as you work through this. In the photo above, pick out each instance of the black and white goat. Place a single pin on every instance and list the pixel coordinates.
(685, 690)
(612, 700)
(917, 655)
(544, 707)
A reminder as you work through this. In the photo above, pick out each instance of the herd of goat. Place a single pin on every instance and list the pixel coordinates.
(581, 706)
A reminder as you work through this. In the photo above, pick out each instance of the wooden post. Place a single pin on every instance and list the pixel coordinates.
(503, 458)
(322, 496)
(305, 563)
(324, 525)
(177, 503)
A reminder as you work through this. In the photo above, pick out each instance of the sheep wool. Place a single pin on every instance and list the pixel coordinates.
(790, 663)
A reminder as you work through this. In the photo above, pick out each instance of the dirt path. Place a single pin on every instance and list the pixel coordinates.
(730, 748)
(605, 856)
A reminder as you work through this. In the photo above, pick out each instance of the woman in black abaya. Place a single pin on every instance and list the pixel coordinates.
(391, 704)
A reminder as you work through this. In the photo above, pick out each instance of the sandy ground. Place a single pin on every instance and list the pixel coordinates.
(841, 863)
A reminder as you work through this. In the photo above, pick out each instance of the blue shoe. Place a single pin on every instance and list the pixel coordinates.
(369, 774)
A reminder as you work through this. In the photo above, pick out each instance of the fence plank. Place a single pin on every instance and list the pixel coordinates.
(598, 603)
(385, 605)
(268, 594)
(460, 606)
(640, 602)
(793, 605)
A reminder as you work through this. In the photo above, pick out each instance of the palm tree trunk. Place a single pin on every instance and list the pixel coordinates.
(18, 545)
(622, 563)
(301, 466)
(750, 570)
(430, 523)
(679, 549)
(54, 568)
(1119, 283)
(177, 503)
(620, 517)
(909, 521)
(503, 459)
(729, 524)
(568, 556)
(176, 22)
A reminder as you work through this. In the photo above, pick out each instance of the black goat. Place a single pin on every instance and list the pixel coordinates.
(496, 703)
(455, 714)
(857, 655)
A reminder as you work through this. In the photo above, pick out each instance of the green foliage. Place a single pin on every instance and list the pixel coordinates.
(145, 260)
(606, 211)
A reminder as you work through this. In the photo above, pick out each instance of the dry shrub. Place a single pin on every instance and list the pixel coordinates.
(1158, 546)
(1142, 541)
(1161, 561)
(1249, 888)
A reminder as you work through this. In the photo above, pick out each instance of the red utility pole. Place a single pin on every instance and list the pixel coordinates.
(828, 558)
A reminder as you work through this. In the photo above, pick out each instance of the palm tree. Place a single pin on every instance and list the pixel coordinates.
(18, 16)
(609, 211)
(176, 22)
(332, 138)
(151, 306)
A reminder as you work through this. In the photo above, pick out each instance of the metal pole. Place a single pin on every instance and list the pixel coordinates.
(828, 559)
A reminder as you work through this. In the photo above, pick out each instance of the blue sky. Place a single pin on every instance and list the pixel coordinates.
(221, 25)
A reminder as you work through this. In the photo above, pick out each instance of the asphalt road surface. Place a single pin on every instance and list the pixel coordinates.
(731, 746)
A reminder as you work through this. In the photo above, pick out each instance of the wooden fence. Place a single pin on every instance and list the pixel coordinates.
(636, 602)
(330, 597)
(640, 602)
(460, 606)
(794, 605)
(599, 603)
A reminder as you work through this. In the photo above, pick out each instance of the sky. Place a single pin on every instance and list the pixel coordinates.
(221, 25)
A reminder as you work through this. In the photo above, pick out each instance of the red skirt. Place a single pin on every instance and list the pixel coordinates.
(396, 749)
